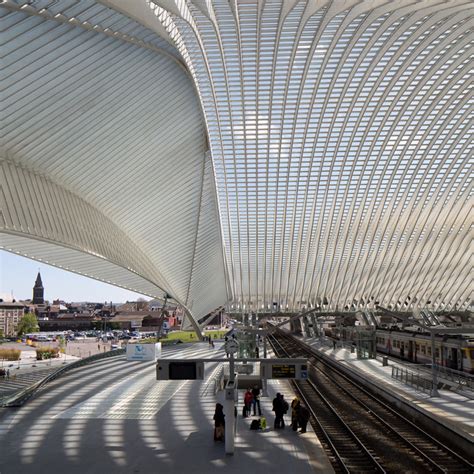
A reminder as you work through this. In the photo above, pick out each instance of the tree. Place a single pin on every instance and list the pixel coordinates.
(142, 304)
(28, 323)
(62, 344)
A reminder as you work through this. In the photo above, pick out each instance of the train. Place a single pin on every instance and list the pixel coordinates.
(452, 351)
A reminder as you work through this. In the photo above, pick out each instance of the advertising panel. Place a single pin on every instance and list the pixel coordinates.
(145, 352)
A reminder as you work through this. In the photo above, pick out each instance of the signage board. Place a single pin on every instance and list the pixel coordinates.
(182, 371)
(144, 352)
(284, 369)
(175, 369)
(246, 369)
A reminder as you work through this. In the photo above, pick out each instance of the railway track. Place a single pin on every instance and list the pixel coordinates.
(359, 432)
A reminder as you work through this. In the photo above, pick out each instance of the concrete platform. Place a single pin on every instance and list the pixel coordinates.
(452, 410)
(113, 416)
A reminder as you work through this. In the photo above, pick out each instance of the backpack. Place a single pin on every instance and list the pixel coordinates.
(255, 425)
(285, 406)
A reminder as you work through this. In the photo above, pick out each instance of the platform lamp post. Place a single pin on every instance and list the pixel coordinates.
(104, 324)
(160, 326)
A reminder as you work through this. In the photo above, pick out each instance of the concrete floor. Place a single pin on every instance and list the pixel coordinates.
(114, 417)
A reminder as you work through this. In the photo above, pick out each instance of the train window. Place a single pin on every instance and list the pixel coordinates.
(437, 353)
(428, 350)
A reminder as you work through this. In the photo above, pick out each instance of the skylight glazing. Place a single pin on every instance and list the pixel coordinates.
(340, 138)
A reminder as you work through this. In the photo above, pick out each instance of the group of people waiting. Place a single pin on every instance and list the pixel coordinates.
(5, 374)
(300, 415)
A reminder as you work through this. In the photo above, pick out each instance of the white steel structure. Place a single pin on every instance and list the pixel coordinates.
(266, 154)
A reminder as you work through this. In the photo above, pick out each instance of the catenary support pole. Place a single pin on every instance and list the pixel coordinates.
(434, 368)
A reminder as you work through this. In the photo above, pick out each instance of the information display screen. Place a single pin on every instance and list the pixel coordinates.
(182, 371)
(283, 371)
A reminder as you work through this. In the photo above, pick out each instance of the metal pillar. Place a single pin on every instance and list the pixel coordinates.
(434, 367)
(229, 408)
(159, 331)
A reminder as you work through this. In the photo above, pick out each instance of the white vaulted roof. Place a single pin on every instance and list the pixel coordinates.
(341, 133)
(268, 154)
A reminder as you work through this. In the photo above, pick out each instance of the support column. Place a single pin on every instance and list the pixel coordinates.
(229, 408)
(434, 367)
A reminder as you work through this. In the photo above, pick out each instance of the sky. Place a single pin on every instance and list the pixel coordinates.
(18, 275)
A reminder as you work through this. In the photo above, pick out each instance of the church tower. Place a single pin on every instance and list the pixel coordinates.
(38, 291)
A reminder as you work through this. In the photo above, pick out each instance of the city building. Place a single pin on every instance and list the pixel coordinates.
(10, 315)
(38, 291)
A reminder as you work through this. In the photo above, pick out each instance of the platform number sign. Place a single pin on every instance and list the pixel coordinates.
(304, 372)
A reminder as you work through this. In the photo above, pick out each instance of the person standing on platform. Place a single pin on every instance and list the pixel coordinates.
(303, 416)
(278, 408)
(256, 401)
(219, 423)
(294, 413)
(248, 401)
(285, 406)
(225, 346)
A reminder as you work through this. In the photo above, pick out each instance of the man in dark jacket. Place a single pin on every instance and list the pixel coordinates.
(279, 410)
